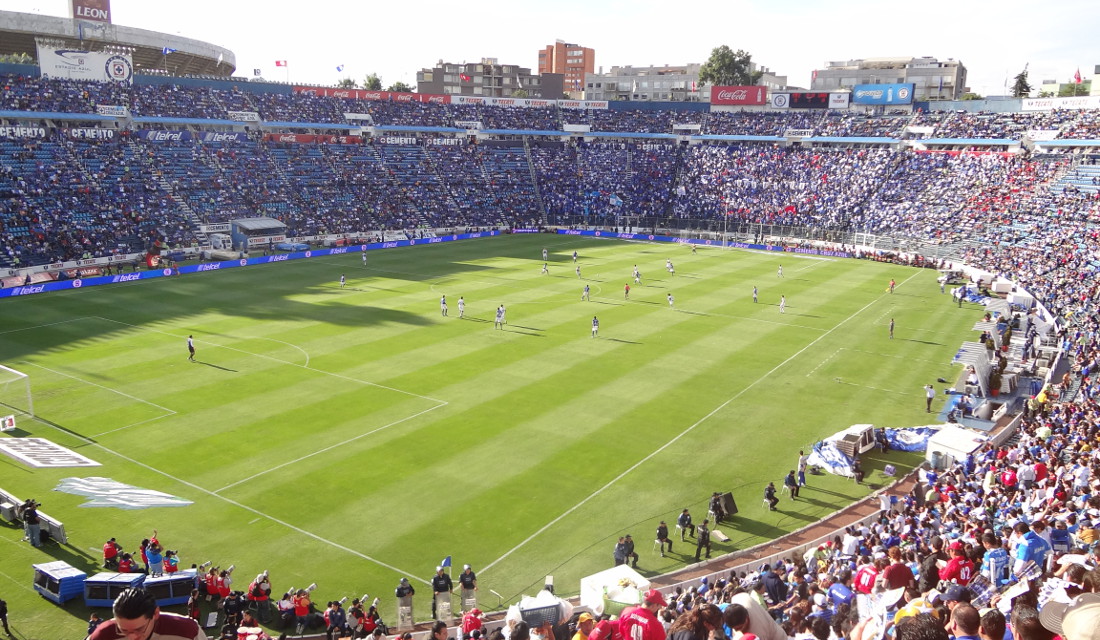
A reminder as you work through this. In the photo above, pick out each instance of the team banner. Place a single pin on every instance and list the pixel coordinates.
(780, 101)
(90, 134)
(76, 64)
(94, 10)
(809, 100)
(883, 93)
(840, 100)
(113, 110)
(244, 116)
(739, 95)
(164, 135)
(61, 285)
(430, 98)
(22, 132)
(1046, 104)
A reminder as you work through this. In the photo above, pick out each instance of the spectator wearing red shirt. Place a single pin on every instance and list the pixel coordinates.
(897, 575)
(959, 569)
(867, 574)
(641, 622)
(110, 554)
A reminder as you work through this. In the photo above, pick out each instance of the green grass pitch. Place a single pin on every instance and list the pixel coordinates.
(351, 436)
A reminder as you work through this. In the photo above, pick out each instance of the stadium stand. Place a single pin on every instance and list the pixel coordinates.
(1028, 217)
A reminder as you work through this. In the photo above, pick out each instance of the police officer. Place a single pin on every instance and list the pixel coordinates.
(662, 537)
(703, 539)
(468, 581)
(441, 583)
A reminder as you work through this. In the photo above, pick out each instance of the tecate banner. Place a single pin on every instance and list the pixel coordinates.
(741, 95)
(883, 93)
(76, 64)
(839, 100)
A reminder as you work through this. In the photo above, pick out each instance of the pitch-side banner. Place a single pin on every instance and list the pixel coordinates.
(79, 283)
(75, 64)
(739, 95)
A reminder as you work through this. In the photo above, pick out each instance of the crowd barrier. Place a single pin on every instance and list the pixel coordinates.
(167, 272)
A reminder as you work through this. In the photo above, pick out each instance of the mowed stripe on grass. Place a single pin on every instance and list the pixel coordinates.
(536, 418)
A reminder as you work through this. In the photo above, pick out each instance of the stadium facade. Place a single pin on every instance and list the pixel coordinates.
(23, 33)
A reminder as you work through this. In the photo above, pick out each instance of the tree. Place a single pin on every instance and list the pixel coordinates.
(1021, 88)
(727, 67)
(400, 87)
(1074, 89)
(347, 83)
(16, 58)
(372, 82)
(972, 96)
(1046, 94)
(520, 93)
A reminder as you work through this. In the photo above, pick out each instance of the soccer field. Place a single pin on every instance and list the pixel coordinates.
(351, 436)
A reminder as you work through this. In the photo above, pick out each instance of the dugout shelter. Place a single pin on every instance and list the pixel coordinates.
(258, 233)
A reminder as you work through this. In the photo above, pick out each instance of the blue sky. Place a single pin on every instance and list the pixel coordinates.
(792, 37)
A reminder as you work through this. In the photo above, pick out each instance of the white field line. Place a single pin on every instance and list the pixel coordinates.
(40, 326)
(677, 437)
(820, 364)
(327, 449)
(304, 352)
(864, 386)
(167, 411)
(129, 426)
(281, 361)
(890, 355)
(257, 512)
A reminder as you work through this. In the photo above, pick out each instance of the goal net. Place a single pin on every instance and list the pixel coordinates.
(15, 393)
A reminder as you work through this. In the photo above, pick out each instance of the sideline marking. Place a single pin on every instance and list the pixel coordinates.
(39, 326)
(677, 437)
(237, 504)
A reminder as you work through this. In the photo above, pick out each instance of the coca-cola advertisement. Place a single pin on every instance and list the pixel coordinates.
(739, 95)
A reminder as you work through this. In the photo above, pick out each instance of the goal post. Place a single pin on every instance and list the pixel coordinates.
(15, 392)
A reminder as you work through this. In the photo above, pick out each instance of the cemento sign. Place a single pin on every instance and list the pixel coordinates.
(41, 453)
(104, 492)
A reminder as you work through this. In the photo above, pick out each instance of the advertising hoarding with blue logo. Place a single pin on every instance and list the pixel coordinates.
(883, 93)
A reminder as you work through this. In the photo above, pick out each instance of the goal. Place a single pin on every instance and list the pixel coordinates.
(15, 392)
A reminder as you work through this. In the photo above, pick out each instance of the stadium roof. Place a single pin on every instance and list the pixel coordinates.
(18, 32)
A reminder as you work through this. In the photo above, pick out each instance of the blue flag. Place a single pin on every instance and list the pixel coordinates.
(446, 562)
(339, 68)
(167, 50)
(616, 201)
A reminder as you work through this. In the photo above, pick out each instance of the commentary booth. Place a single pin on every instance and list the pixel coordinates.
(256, 233)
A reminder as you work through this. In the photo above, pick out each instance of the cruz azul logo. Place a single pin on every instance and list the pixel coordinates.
(104, 492)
